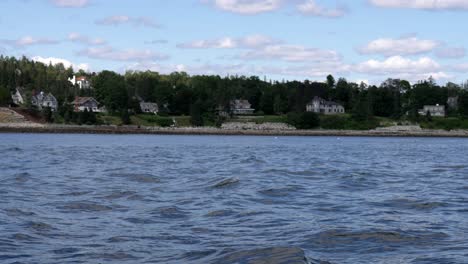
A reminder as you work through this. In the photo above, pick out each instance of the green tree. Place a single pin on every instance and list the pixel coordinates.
(111, 90)
(196, 118)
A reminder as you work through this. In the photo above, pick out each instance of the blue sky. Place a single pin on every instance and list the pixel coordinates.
(361, 40)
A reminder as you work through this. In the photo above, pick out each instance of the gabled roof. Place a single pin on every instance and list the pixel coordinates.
(82, 100)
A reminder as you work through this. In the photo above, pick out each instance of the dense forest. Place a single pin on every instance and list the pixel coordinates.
(202, 95)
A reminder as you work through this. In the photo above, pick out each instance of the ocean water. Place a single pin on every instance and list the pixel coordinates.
(194, 199)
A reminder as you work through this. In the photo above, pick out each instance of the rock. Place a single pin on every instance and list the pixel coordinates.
(255, 126)
(274, 255)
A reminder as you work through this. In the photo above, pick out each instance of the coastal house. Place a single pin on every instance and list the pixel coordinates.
(241, 107)
(42, 100)
(433, 110)
(18, 96)
(80, 104)
(147, 107)
(321, 106)
(82, 82)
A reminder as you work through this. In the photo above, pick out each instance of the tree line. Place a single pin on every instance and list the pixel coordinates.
(203, 95)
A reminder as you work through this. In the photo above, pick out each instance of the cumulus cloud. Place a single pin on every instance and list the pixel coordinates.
(109, 53)
(135, 21)
(66, 63)
(70, 3)
(402, 46)
(292, 53)
(77, 37)
(29, 41)
(450, 52)
(310, 7)
(247, 7)
(251, 41)
(462, 67)
(404, 68)
(423, 4)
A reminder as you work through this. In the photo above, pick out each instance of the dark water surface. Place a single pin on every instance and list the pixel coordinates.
(193, 199)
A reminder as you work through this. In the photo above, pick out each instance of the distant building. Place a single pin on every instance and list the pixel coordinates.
(42, 100)
(241, 107)
(86, 103)
(434, 110)
(321, 106)
(82, 82)
(452, 102)
(18, 96)
(147, 107)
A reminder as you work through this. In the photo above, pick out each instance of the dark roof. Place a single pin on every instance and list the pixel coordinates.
(82, 100)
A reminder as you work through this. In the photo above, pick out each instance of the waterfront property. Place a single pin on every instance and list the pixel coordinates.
(42, 100)
(82, 82)
(433, 110)
(241, 107)
(321, 106)
(80, 104)
(147, 107)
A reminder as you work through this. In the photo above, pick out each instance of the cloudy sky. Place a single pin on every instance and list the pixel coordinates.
(367, 40)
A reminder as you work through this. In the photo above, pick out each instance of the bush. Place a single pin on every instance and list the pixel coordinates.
(333, 122)
(306, 120)
(164, 122)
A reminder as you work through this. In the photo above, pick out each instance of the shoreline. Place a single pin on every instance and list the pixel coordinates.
(123, 130)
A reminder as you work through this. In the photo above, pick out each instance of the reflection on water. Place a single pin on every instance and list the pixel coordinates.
(199, 199)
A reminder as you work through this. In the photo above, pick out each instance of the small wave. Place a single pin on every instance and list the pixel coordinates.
(119, 194)
(40, 226)
(85, 207)
(265, 255)
(220, 213)
(23, 237)
(342, 238)
(117, 256)
(412, 204)
(137, 177)
(226, 183)
(18, 212)
(170, 212)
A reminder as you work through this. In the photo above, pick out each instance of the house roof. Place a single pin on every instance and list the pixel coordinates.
(81, 78)
(325, 102)
(82, 100)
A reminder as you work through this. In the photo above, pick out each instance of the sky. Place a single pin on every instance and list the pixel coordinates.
(360, 40)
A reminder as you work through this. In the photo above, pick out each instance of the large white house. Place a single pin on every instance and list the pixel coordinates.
(321, 106)
(241, 107)
(433, 110)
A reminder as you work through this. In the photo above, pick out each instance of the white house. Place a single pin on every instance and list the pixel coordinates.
(241, 107)
(321, 106)
(43, 100)
(433, 110)
(82, 82)
(147, 107)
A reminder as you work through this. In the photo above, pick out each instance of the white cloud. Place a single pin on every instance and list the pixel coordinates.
(70, 3)
(29, 41)
(109, 53)
(292, 53)
(310, 7)
(135, 21)
(251, 41)
(77, 37)
(463, 68)
(404, 68)
(66, 63)
(248, 7)
(402, 46)
(450, 52)
(423, 4)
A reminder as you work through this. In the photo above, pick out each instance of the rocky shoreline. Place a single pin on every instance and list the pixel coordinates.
(72, 129)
